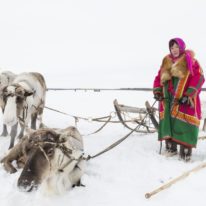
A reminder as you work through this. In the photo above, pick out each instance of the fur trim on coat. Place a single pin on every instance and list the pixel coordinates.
(172, 68)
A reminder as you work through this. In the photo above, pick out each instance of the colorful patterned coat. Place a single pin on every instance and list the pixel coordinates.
(179, 122)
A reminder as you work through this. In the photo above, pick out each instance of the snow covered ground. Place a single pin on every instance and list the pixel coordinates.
(121, 176)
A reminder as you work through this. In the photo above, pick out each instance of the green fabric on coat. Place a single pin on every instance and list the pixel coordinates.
(179, 131)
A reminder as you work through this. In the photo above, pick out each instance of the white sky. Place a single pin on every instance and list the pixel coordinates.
(124, 40)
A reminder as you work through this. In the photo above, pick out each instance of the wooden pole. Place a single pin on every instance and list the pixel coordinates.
(202, 138)
(170, 183)
(106, 89)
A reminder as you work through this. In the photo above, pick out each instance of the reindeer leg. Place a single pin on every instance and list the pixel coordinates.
(16, 153)
(5, 132)
(33, 120)
(21, 134)
(78, 184)
(40, 113)
(8, 165)
(13, 135)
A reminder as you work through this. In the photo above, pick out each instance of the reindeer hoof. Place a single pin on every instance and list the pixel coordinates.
(78, 184)
(12, 170)
(4, 134)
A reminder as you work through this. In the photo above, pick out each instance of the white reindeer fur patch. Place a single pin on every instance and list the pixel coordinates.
(59, 183)
(10, 119)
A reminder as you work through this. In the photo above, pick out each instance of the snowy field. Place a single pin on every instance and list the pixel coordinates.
(121, 176)
(103, 44)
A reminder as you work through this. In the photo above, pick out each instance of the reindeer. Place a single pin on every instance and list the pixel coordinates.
(24, 102)
(6, 78)
(53, 159)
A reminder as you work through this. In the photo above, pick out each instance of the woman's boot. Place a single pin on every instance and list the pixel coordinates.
(185, 153)
(171, 147)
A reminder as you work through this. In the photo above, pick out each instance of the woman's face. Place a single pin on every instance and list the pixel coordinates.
(175, 50)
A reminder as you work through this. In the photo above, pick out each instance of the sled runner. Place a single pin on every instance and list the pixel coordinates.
(144, 117)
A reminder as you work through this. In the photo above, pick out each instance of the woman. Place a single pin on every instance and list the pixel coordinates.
(177, 87)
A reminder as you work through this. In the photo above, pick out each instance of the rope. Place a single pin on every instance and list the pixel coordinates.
(55, 110)
(100, 127)
(112, 146)
(120, 140)
(98, 119)
(47, 158)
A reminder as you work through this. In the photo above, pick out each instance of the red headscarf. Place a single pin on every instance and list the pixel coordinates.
(188, 56)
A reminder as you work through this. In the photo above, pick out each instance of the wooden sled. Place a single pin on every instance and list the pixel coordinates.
(144, 117)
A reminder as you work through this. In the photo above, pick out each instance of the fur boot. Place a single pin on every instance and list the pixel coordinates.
(171, 147)
(185, 153)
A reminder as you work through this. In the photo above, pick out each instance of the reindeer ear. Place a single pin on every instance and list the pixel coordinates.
(4, 90)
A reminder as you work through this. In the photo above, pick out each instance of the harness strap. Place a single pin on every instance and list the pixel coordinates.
(25, 114)
(69, 162)
(120, 140)
(42, 150)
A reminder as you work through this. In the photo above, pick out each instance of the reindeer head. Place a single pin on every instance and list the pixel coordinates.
(42, 145)
(16, 102)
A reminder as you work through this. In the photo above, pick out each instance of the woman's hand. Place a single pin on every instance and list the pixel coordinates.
(184, 100)
(158, 96)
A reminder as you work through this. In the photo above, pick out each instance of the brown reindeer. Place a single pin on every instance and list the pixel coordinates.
(52, 158)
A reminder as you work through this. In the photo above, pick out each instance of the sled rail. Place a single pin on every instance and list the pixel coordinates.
(124, 108)
(120, 109)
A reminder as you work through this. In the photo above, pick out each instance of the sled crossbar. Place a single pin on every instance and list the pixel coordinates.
(130, 109)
